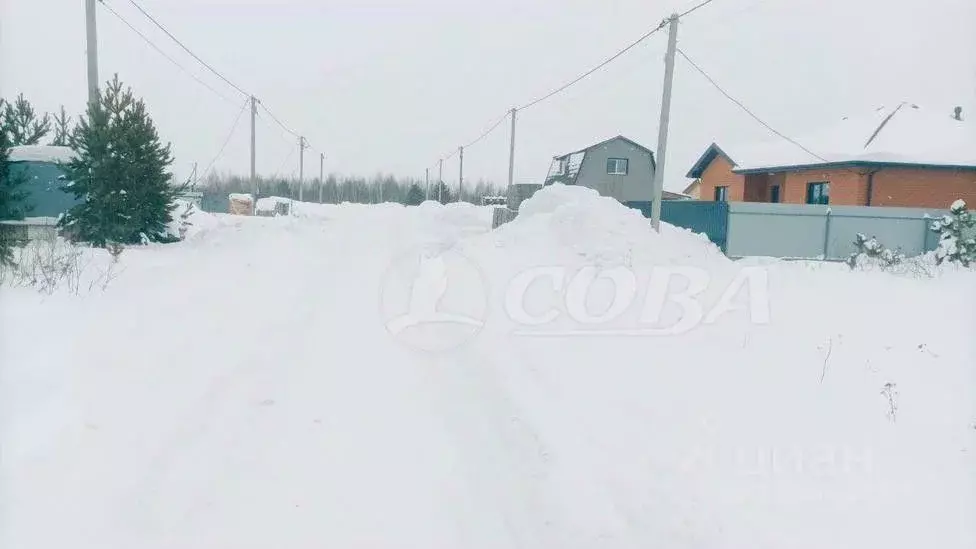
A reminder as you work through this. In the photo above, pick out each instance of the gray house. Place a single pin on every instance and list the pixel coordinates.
(618, 168)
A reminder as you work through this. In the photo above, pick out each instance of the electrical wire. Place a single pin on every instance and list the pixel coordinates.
(746, 109)
(699, 6)
(275, 118)
(488, 131)
(291, 153)
(274, 130)
(188, 50)
(606, 62)
(164, 54)
(230, 134)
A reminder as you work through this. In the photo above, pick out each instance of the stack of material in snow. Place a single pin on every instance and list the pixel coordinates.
(501, 215)
(273, 206)
(241, 204)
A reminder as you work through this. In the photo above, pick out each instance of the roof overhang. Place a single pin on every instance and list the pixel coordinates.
(852, 164)
(713, 151)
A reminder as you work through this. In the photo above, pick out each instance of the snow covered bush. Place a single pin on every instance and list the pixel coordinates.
(45, 264)
(183, 210)
(957, 235)
(870, 252)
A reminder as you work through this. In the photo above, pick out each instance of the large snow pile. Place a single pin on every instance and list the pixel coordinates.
(244, 389)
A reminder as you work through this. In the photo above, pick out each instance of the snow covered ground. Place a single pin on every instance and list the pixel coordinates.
(381, 376)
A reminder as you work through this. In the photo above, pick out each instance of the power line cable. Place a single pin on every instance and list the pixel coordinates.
(488, 131)
(274, 130)
(275, 118)
(164, 54)
(606, 62)
(188, 50)
(746, 109)
(230, 134)
(696, 7)
(291, 153)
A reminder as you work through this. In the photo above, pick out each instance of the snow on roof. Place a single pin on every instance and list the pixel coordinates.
(41, 153)
(904, 134)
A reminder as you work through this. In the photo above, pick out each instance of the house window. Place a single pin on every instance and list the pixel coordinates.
(616, 166)
(818, 192)
(774, 193)
(721, 194)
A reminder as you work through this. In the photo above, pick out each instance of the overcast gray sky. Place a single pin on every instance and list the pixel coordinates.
(391, 85)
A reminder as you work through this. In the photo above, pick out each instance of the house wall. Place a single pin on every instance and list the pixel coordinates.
(636, 186)
(923, 188)
(45, 196)
(848, 187)
(719, 174)
(756, 188)
(905, 187)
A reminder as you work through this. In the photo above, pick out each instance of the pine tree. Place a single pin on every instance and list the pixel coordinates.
(444, 194)
(957, 235)
(120, 172)
(62, 128)
(20, 119)
(12, 196)
(415, 195)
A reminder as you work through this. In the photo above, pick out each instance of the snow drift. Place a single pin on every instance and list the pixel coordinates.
(240, 390)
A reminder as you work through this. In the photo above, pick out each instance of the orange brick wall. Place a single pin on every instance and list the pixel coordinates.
(719, 174)
(847, 187)
(923, 188)
(908, 187)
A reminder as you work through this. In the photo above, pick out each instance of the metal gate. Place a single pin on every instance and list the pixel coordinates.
(701, 216)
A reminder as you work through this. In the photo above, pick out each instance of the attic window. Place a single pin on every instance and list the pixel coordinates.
(617, 166)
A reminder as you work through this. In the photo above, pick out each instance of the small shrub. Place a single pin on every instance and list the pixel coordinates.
(957, 236)
(868, 251)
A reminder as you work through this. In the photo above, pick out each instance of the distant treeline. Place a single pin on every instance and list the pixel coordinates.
(339, 188)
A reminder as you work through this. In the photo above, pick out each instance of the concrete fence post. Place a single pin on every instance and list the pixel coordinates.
(826, 243)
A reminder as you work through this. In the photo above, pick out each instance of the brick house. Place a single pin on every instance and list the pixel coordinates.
(900, 157)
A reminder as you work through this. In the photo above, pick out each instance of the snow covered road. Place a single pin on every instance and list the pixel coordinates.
(240, 390)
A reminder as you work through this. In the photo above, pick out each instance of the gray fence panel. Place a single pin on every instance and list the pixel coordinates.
(776, 230)
(814, 231)
(903, 229)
